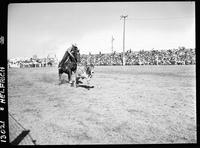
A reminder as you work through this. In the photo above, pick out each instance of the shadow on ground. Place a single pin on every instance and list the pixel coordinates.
(79, 84)
(85, 86)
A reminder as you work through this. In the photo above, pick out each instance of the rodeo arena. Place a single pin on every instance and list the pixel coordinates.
(101, 73)
(95, 98)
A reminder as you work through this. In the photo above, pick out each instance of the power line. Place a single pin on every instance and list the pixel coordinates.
(166, 18)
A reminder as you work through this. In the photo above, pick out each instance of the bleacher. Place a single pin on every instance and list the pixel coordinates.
(180, 56)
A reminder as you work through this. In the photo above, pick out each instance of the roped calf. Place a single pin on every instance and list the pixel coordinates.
(85, 72)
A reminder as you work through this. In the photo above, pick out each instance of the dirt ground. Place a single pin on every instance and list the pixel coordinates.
(127, 105)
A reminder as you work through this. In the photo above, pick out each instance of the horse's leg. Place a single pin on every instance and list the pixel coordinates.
(60, 74)
(70, 76)
(75, 81)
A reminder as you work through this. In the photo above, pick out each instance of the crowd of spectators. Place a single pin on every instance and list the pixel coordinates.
(180, 56)
(32, 62)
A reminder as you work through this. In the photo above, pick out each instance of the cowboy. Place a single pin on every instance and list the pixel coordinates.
(69, 52)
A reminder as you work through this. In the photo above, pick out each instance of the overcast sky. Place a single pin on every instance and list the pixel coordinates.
(50, 28)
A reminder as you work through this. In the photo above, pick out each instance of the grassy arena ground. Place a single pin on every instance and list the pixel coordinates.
(128, 105)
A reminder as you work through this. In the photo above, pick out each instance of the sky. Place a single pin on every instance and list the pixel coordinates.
(50, 28)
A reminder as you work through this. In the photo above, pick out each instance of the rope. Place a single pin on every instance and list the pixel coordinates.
(34, 141)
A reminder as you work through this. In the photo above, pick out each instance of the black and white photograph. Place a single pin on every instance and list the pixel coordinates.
(93, 73)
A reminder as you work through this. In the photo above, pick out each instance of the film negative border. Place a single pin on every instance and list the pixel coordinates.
(4, 130)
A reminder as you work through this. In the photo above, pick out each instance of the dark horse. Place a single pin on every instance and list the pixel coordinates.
(68, 64)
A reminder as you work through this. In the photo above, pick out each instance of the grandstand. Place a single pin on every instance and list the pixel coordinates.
(180, 56)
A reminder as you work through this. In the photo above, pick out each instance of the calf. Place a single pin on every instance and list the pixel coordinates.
(85, 72)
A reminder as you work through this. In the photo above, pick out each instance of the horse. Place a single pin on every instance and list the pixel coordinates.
(68, 64)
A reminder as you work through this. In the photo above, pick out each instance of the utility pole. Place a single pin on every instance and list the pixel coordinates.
(111, 57)
(112, 43)
(124, 17)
